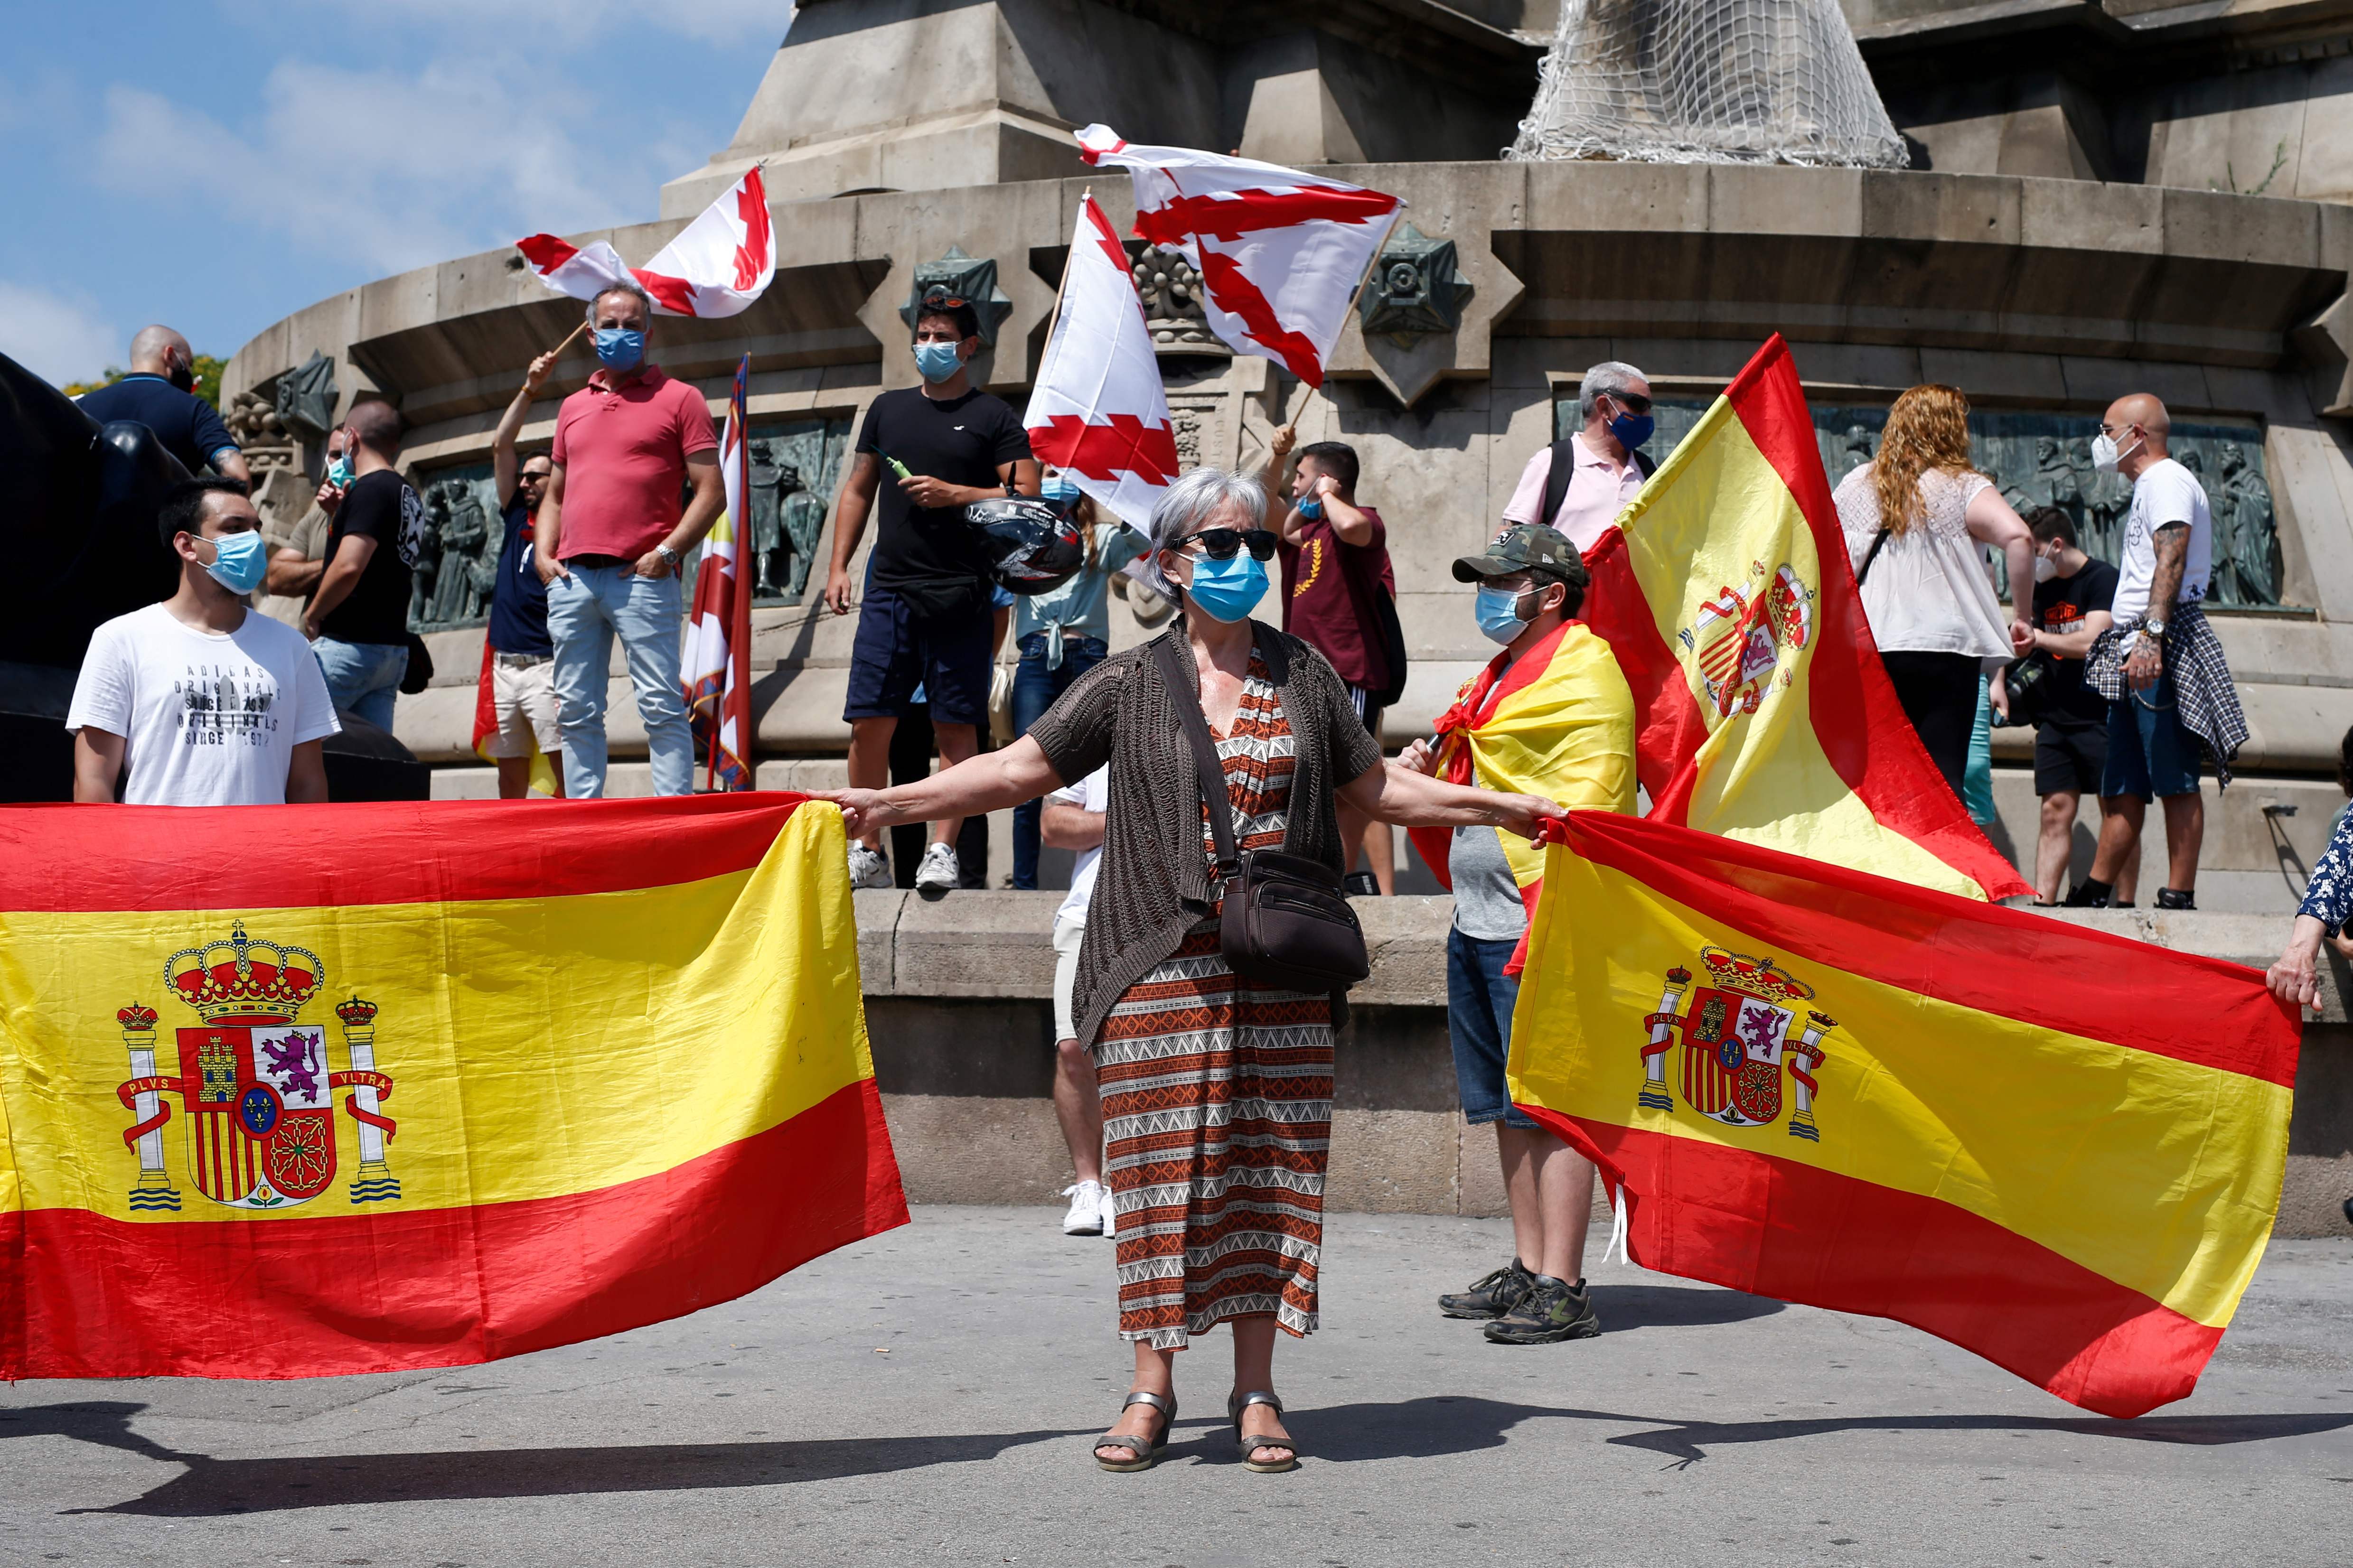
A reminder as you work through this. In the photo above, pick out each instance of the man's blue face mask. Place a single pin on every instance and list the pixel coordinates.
(620, 348)
(240, 560)
(1631, 429)
(939, 362)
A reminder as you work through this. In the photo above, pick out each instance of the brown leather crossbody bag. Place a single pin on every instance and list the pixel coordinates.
(1287, 922)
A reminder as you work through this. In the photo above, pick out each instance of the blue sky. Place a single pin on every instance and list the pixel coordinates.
(217, 164)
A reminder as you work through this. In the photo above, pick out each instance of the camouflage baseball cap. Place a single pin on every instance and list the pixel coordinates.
(1525, 547)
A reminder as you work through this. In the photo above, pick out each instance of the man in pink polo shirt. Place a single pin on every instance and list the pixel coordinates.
(610, 537)
(1581, 482)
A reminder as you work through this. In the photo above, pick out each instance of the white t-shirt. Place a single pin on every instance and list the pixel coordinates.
(1091, 793)
(2164, 492)
(1929, 590)
(207, 719)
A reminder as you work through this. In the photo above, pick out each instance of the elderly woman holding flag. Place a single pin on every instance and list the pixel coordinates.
(1217, 1088)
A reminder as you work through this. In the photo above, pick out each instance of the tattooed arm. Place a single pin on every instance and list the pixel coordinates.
(2147, 660)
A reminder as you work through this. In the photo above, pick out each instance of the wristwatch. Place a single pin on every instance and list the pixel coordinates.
(2153, 627)
(669, 557)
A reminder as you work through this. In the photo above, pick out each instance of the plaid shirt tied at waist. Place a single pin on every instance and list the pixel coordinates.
(2203, 693)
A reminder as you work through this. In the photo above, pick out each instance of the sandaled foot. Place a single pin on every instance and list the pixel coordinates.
(1266, 1448)
(1135, 1440)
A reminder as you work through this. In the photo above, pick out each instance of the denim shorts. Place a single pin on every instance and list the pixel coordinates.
(1479, 1002)
(2151, 753)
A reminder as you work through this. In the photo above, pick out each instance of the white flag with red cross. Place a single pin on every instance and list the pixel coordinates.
(1280, 252)
(716, 266)
(1098, 412)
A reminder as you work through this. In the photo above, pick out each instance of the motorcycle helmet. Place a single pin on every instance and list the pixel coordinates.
(1032, 545)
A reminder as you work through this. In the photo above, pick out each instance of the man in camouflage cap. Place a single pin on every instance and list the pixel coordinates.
(1524, 547)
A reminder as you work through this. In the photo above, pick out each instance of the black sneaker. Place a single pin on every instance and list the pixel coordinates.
(2176, 899)
(1553, 1311)
(1493, 1297)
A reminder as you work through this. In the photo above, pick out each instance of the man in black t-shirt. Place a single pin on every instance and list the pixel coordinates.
(358, 620)
(928, 452)
(2072, 592)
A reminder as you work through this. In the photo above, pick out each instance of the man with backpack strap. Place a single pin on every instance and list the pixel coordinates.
(1581, 482)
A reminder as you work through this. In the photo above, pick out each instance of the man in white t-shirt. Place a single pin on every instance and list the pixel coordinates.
(1073, 819)
(199, 700)
(2154, 745)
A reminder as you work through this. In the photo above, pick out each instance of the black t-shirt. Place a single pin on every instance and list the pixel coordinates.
(189, 427)
(963, 440)
(382, 507)
(2059, 605)
(519, 602)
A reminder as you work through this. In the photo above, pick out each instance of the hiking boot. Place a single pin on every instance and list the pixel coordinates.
(1493, 1297)
(1554, 1310)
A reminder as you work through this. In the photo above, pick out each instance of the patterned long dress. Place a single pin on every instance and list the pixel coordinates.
(1216, 1099)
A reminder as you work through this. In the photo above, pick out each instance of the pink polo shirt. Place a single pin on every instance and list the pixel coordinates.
(1596, 494)
(623, 452)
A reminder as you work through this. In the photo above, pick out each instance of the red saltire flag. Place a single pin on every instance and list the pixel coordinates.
(1280, 252)
(1099, 412)
(1762, 710)
(2058, 1148)
(716, 652)
(410, 1091)
(716, 266)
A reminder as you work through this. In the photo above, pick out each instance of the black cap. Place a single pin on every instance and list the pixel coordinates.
(1525, 547)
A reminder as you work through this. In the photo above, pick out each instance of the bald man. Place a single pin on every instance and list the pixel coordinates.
(160, 393)
(2172, 703)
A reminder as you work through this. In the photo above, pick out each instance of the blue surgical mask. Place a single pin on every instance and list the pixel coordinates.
(1228, 590)
(1632, 429)
(620, 348)
(1060, 492)
(1498, 610)
(339, 473)
(939, 362)
(240, 560)
(1312, 508)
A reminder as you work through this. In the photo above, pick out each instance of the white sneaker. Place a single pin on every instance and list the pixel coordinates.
(1110, 1218)
(1089, 1209)
(867, 867)
(938, 872)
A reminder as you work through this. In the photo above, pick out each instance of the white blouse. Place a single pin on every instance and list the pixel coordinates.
(1930, 591)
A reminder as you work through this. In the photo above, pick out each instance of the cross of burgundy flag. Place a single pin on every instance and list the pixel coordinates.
(1279, 253)
(717, 653)
(1098, 412)
(716, 266)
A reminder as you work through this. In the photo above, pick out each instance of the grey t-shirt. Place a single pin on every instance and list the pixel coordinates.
(1487, 903)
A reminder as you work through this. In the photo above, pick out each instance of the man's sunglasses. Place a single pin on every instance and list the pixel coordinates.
(1629, 402)
(1219, 543)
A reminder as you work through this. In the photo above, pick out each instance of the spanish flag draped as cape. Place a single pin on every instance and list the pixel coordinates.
(295, 1091)
(1764, 713)
(2057, 1148)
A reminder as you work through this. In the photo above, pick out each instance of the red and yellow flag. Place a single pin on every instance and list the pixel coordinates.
(2058, 1148)
(1763, 711)
(288, 1091)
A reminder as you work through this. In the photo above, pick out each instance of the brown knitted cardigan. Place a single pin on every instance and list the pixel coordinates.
(1153, 882)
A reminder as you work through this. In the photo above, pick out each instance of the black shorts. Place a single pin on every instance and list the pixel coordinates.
(2070, 757)
(897, 649)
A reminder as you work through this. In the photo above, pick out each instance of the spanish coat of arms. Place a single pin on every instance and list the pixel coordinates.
(1738, 637)
(1739, 1035)
(254, 1082)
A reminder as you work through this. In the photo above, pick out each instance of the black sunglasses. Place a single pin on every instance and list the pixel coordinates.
(1219, 543)
(1629, 402)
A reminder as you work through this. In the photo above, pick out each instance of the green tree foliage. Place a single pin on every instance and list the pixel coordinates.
(208, 375)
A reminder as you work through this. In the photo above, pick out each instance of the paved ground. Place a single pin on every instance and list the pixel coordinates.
(1704, 1427)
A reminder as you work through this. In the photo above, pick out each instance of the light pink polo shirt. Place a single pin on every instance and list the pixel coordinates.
(1596, 494)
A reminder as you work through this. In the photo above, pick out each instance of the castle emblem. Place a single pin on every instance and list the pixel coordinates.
(254, 1082)
(1740, 1034)
(1739, 635)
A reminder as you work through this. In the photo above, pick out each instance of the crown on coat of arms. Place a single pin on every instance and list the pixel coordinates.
(355, 1014)
(236, 974)
(1757, 977)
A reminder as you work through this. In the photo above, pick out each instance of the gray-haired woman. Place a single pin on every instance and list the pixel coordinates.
(1216, 1092)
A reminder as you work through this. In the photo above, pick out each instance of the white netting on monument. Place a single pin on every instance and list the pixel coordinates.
(1707, 81)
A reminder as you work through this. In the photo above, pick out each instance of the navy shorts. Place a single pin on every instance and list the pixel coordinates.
(2151, 753)
(897, 650)
(1480, 998)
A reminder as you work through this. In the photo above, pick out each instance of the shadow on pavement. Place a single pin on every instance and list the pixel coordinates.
(1625, 1307)
(1437, 1427)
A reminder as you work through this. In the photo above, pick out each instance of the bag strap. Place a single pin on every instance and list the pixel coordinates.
(1214, 794)
(1871, 555)
(1557, 476)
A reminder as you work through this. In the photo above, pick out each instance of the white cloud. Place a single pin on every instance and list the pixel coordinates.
(394, 170)
(572, 23)
(57, 338)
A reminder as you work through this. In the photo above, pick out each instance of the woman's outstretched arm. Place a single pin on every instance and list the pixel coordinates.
(973, 787)
(1403, 798)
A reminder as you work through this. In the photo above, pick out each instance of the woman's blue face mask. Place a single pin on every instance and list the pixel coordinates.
(1227, 590)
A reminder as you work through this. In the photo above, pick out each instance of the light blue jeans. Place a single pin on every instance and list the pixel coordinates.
(583, 612)
(363, 677)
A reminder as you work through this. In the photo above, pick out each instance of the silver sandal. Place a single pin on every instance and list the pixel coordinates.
(1143, 1455)
(1235, 1405)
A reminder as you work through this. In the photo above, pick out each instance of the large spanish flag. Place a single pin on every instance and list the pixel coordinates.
(2058, 1148)
(287, 1091)
(1763, 711)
